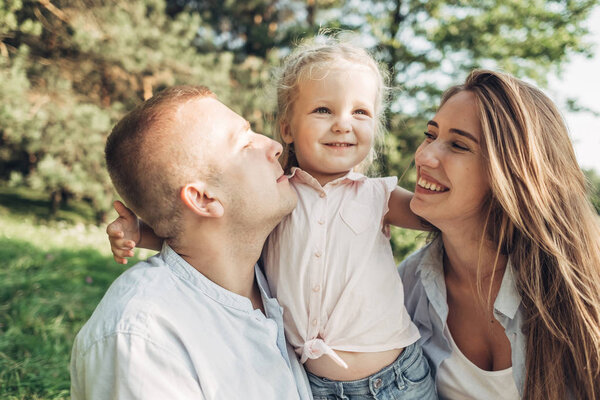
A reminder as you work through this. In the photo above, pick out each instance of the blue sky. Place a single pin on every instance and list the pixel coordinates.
(581, 80)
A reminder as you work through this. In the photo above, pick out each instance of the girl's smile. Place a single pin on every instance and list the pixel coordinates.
(332, 125)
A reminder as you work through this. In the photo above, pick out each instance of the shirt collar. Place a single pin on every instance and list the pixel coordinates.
(192, 276)
(508, 299)
(297, 174)
(432, 277)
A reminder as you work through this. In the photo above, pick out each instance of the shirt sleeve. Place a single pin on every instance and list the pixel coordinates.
(127, 366)
(388, 184)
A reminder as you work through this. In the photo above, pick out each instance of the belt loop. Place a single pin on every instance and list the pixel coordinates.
(400, 382)
(339, 388)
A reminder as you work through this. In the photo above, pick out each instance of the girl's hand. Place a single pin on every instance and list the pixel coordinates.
(124, 233)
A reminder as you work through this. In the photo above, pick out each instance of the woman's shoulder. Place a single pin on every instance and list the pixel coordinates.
(411, 265)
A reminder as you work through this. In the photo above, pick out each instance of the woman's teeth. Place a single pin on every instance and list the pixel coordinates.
(431, 186)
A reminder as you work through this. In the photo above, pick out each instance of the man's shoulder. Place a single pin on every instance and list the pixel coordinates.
(130, 303)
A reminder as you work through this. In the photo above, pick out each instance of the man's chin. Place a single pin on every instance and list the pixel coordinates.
(287, 206)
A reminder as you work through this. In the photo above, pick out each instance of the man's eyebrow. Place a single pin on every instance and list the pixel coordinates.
(242, 128)
(456, 131)
(237, 133)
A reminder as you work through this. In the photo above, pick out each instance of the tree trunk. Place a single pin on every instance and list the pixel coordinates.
(55, 200)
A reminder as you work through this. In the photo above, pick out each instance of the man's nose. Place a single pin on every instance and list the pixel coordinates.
(275, 149)
(272, 147)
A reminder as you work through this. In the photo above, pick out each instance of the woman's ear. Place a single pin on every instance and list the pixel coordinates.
(285, 132)
(199, 200)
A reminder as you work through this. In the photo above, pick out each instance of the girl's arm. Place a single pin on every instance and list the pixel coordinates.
(127, 231)
(399, 212)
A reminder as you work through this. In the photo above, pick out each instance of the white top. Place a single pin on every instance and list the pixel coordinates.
(459, 379)
(331, 268)
(426, 301)
(165, 331)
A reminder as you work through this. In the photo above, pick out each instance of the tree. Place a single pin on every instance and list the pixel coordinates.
(64, 85)
(70, 69)
(427, 46)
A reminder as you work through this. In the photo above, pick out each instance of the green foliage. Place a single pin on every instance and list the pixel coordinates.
(61, 91)
(405, 241)
(70, 69)
(10, 21)
(594, 188)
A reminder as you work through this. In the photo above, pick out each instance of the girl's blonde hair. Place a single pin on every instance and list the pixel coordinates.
(540, 215)
(306, 59)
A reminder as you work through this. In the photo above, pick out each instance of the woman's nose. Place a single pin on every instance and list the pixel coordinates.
(427, 155)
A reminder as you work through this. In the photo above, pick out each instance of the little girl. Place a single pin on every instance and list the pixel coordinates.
(329, 263)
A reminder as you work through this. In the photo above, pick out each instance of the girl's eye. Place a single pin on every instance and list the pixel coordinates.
(362, 112)
(321, 110)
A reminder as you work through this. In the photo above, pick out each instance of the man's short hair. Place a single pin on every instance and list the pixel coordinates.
(146, 165)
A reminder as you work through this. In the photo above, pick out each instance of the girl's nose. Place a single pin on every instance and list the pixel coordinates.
(427, 155)
(341, 124)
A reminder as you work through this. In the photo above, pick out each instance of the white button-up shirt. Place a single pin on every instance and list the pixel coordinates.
(165, 331)
(331, 267)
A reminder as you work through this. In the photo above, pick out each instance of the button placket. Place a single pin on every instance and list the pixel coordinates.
(316, 274)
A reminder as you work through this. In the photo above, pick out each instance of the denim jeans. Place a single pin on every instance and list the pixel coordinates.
(407, 378)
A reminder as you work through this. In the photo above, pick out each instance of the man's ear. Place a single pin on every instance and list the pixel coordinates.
(285, 132)
(199, 200)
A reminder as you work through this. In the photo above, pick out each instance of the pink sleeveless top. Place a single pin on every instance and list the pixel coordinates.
(331, 267)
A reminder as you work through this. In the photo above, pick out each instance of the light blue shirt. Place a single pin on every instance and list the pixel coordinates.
(425, 299)
(165, 331)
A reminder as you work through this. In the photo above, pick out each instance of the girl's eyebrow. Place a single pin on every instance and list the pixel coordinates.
(456, 131)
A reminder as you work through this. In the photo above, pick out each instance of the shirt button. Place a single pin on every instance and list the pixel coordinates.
(321, 221)
(316, 288)
(377, 383)
(314, 322)
(318, 254)
(322, 195)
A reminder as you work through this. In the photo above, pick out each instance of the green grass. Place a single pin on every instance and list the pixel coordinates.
(53, 273)
(22, 202)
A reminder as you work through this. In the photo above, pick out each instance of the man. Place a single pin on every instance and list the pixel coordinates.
(195, 321)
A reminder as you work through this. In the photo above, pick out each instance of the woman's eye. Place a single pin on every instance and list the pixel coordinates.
(459, 146)
(321, 110)
(429, 136)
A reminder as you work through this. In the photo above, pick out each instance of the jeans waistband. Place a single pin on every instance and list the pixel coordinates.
(369, 385)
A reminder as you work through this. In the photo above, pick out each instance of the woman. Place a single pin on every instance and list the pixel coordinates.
(507, 294)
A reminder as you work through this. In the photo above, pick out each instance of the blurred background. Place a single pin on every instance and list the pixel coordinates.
(69, 69)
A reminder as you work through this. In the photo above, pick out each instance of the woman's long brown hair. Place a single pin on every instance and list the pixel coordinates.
(540, 215)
